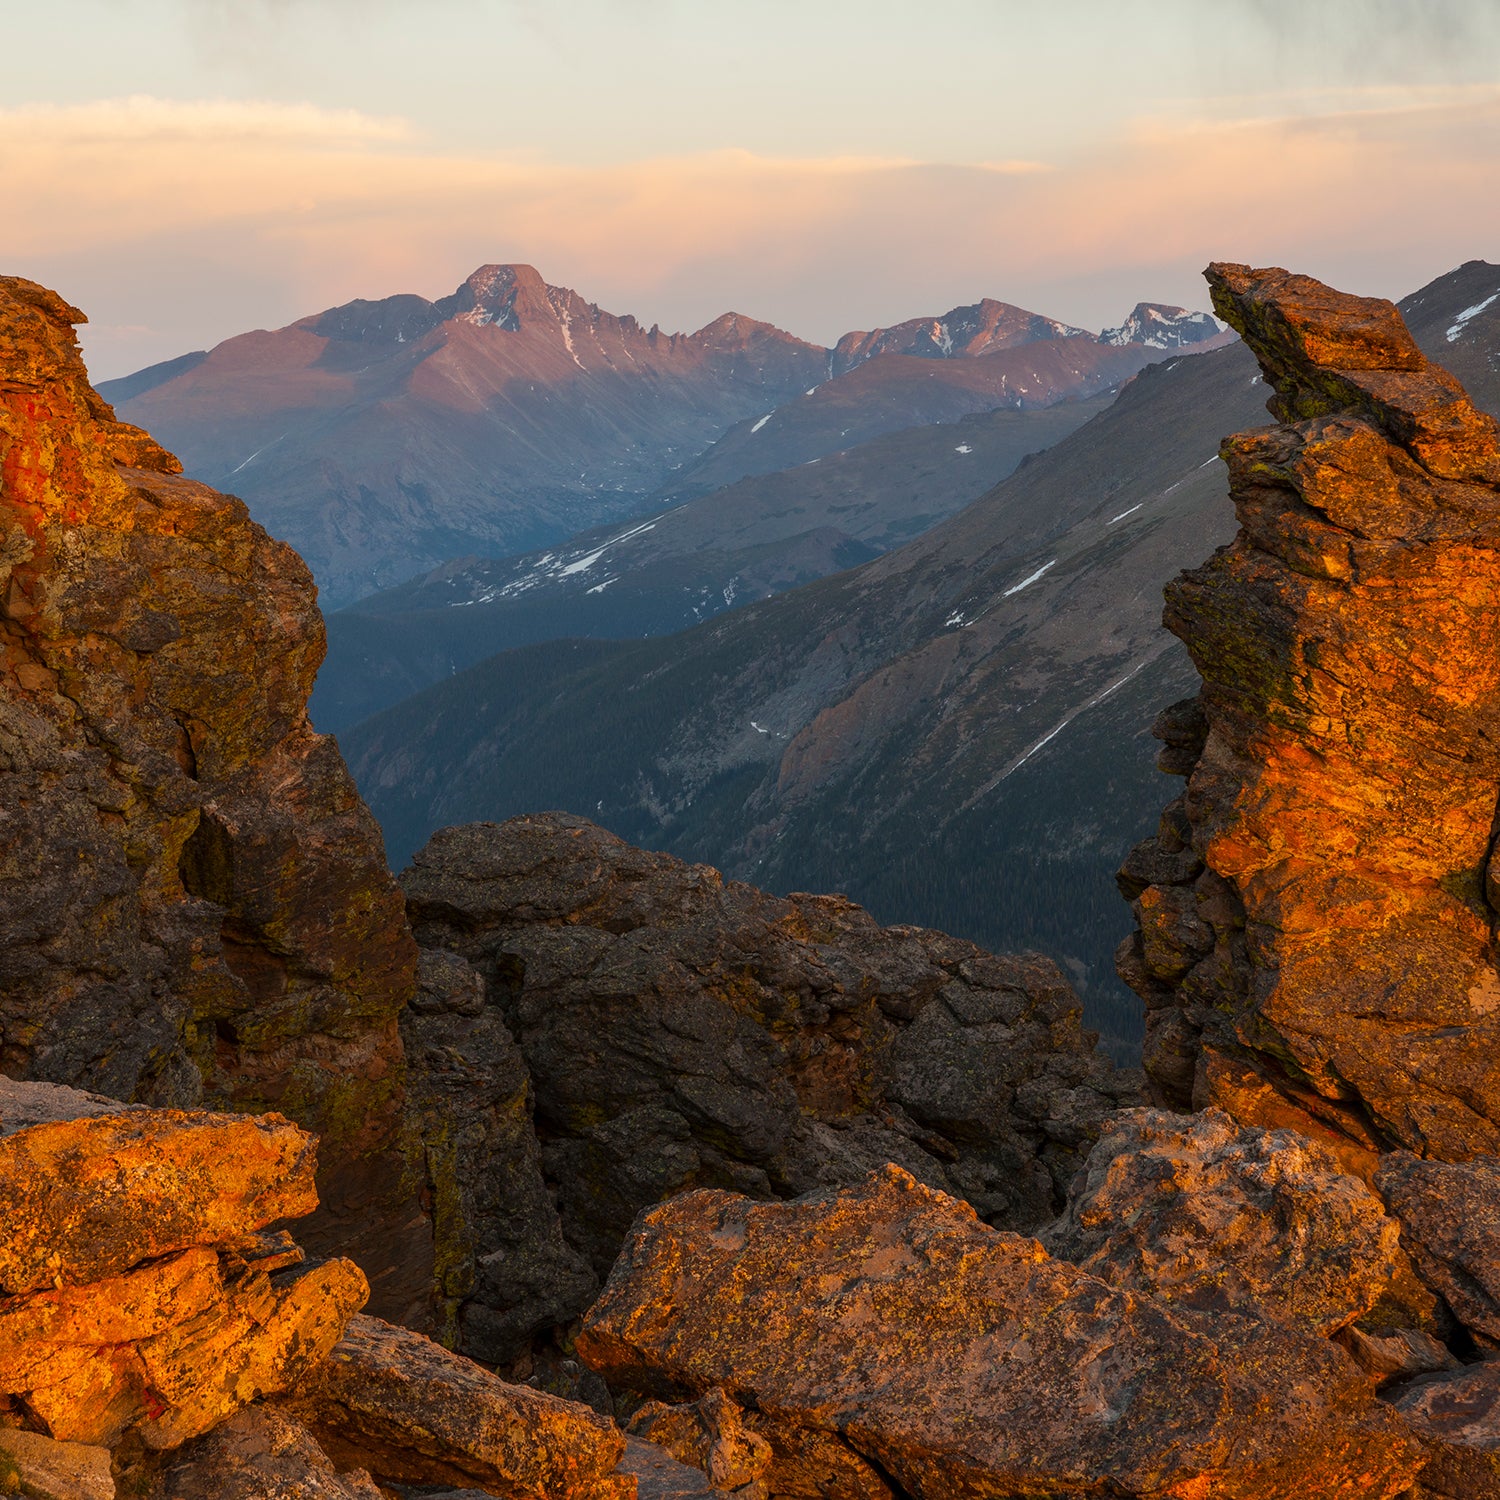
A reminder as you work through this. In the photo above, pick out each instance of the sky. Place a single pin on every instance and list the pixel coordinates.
(185, 170)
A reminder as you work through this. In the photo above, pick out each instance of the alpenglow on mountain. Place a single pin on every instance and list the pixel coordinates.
(383, 438)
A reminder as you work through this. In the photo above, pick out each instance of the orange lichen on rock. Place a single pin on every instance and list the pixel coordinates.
(194, 903)
(141, 1295)
(956, 1359)
(1317, 917)
(394, 1403)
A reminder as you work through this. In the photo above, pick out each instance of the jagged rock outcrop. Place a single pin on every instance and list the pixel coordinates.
(141, 1294)
(158, 1337)
(682, 1031)
(503, 1271)
(1450, 1222)
(955, 1359)
(1317, 915)
(1206, 1214)
(710, 1434)
(194, 905)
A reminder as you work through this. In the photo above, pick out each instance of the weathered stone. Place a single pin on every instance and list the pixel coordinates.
(1398, 1353)
(194, 905)
(1457, 1416)
(1341, 791)
(1450, 1225)
(1210, 1215)
(42, 1468)
(171, 1348)
(87, 1198)
(967, 1362)
(260, 1453)
(682, 1031)
(710, 1434)
(659, 1476)
(394, 1403)
(503, 1270)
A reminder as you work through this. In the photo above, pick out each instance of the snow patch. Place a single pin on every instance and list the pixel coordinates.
(963, 448)
(1124, 513)
(1030, 579)
(1469, 312)
(761, 423)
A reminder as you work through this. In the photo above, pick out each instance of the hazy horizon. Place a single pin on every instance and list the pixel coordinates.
(822, 167)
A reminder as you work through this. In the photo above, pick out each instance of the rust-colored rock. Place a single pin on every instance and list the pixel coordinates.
(394, 1403)
(1450, 1223)
(194, 906)
(1208, 1214)
(87, 1198)
(1315, 943)
(966, 1362)
(710, 1434)
(140, 1292)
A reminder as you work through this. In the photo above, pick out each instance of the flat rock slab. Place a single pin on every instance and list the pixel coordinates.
(966, 1362)
(394, 1403)
(23, 1104)
(82, 1199)
(43, 1469)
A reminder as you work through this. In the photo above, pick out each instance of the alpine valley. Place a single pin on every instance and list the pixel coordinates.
(954, 733)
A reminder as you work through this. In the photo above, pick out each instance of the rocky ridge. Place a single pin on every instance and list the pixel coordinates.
(671, 1030)
(196, 905)
(1316, 916)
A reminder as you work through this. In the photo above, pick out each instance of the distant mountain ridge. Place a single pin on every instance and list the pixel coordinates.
(954, 733)
(383, 438)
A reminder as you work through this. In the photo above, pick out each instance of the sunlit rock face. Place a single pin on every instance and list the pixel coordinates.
(194, 904)
(1317, 914)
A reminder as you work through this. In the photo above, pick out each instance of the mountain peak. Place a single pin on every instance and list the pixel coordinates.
(1158, 325)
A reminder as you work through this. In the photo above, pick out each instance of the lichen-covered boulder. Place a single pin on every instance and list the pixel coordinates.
(194, 903)
(392, 1402)
(1205, 1213)
(965, 1361)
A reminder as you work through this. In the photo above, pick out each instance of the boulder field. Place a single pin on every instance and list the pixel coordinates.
(607, 1177)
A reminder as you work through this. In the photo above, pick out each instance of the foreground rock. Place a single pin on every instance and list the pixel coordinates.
(194, 905)
(396, 1404)
(1457, 1417)
(681, 1031)
(960, 1360)
(1210, 1215)
(1315, 919)
(1450, 1222)
(144, 1296)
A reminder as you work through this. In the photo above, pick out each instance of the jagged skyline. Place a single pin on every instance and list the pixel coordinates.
(822, 167)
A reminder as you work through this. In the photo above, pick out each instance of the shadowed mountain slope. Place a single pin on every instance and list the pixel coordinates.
(955, 733)
(748, 541)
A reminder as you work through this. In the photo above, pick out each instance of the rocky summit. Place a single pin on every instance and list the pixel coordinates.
(1317, 913)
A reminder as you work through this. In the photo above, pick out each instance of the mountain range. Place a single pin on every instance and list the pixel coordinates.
(385, 438)
(953, 733)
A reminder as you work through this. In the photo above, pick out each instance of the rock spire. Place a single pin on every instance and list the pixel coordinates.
(1317, 914)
